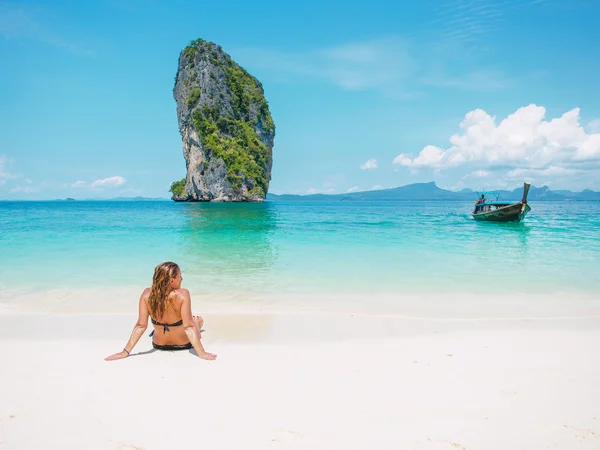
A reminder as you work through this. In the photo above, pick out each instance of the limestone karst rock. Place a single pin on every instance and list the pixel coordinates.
(226, 128)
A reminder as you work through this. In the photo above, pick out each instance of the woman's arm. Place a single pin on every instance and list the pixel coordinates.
(140, 327)
(189, 326)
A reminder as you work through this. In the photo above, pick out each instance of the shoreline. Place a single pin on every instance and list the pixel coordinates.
(417, 305)
(267, 328)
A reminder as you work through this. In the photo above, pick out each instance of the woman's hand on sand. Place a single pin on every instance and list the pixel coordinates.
(120, 355)
(208, 356)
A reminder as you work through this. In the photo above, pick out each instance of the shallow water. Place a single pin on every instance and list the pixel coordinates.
(279, 250)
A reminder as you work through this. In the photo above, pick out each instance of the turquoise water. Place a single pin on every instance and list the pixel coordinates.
(247, 252)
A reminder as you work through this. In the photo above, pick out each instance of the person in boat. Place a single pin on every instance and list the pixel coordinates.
(170, 308)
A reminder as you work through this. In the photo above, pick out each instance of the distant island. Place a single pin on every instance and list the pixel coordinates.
(430, 191)
(226, 128)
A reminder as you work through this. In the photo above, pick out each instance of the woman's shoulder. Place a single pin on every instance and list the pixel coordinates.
(181, 293)
(178, 296)
(146, 293)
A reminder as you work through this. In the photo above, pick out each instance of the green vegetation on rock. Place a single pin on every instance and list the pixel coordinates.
(178, 188)
(194, 97)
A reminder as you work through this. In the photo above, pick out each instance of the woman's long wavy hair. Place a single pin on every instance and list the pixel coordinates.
(161, 288)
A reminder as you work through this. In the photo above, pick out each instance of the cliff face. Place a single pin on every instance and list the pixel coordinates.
(226, 128)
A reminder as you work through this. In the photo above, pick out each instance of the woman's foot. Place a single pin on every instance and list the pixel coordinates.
(204, 355)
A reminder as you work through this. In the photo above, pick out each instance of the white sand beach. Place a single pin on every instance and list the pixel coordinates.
(303, 381)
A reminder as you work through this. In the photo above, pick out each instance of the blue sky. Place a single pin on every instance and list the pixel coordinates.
(468, 93)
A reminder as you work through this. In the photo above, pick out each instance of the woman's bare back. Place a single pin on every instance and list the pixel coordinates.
(170, 335)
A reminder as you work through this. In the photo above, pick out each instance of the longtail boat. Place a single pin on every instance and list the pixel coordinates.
(497, 211)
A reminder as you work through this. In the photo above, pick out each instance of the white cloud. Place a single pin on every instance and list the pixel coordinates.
(551, 171)
(398, 66)
(523, 140)
(463, 21)
(24, 189)
(429, 156)
(394, 65)
(469, 22)
(401, 160)
(79, 183)
(481, 174)
(370, 164)
(594, 126)
(110, 182)
(377, 187)
(5, 174)
(353, 189)
(485, 80)
(372, 64)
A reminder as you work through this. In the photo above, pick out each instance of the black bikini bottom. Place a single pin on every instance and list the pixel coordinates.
(172, 347)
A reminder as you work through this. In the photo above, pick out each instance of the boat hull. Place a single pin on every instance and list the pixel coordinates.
(510, 213)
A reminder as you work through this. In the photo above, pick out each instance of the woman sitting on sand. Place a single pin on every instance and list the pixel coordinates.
(170, 308)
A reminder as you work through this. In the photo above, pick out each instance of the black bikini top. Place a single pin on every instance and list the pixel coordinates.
(166, 325)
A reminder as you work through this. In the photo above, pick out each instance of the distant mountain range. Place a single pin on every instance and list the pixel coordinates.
(430, 191)
(416, 191)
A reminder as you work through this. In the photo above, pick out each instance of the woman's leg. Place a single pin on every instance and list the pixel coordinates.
(205, 355)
